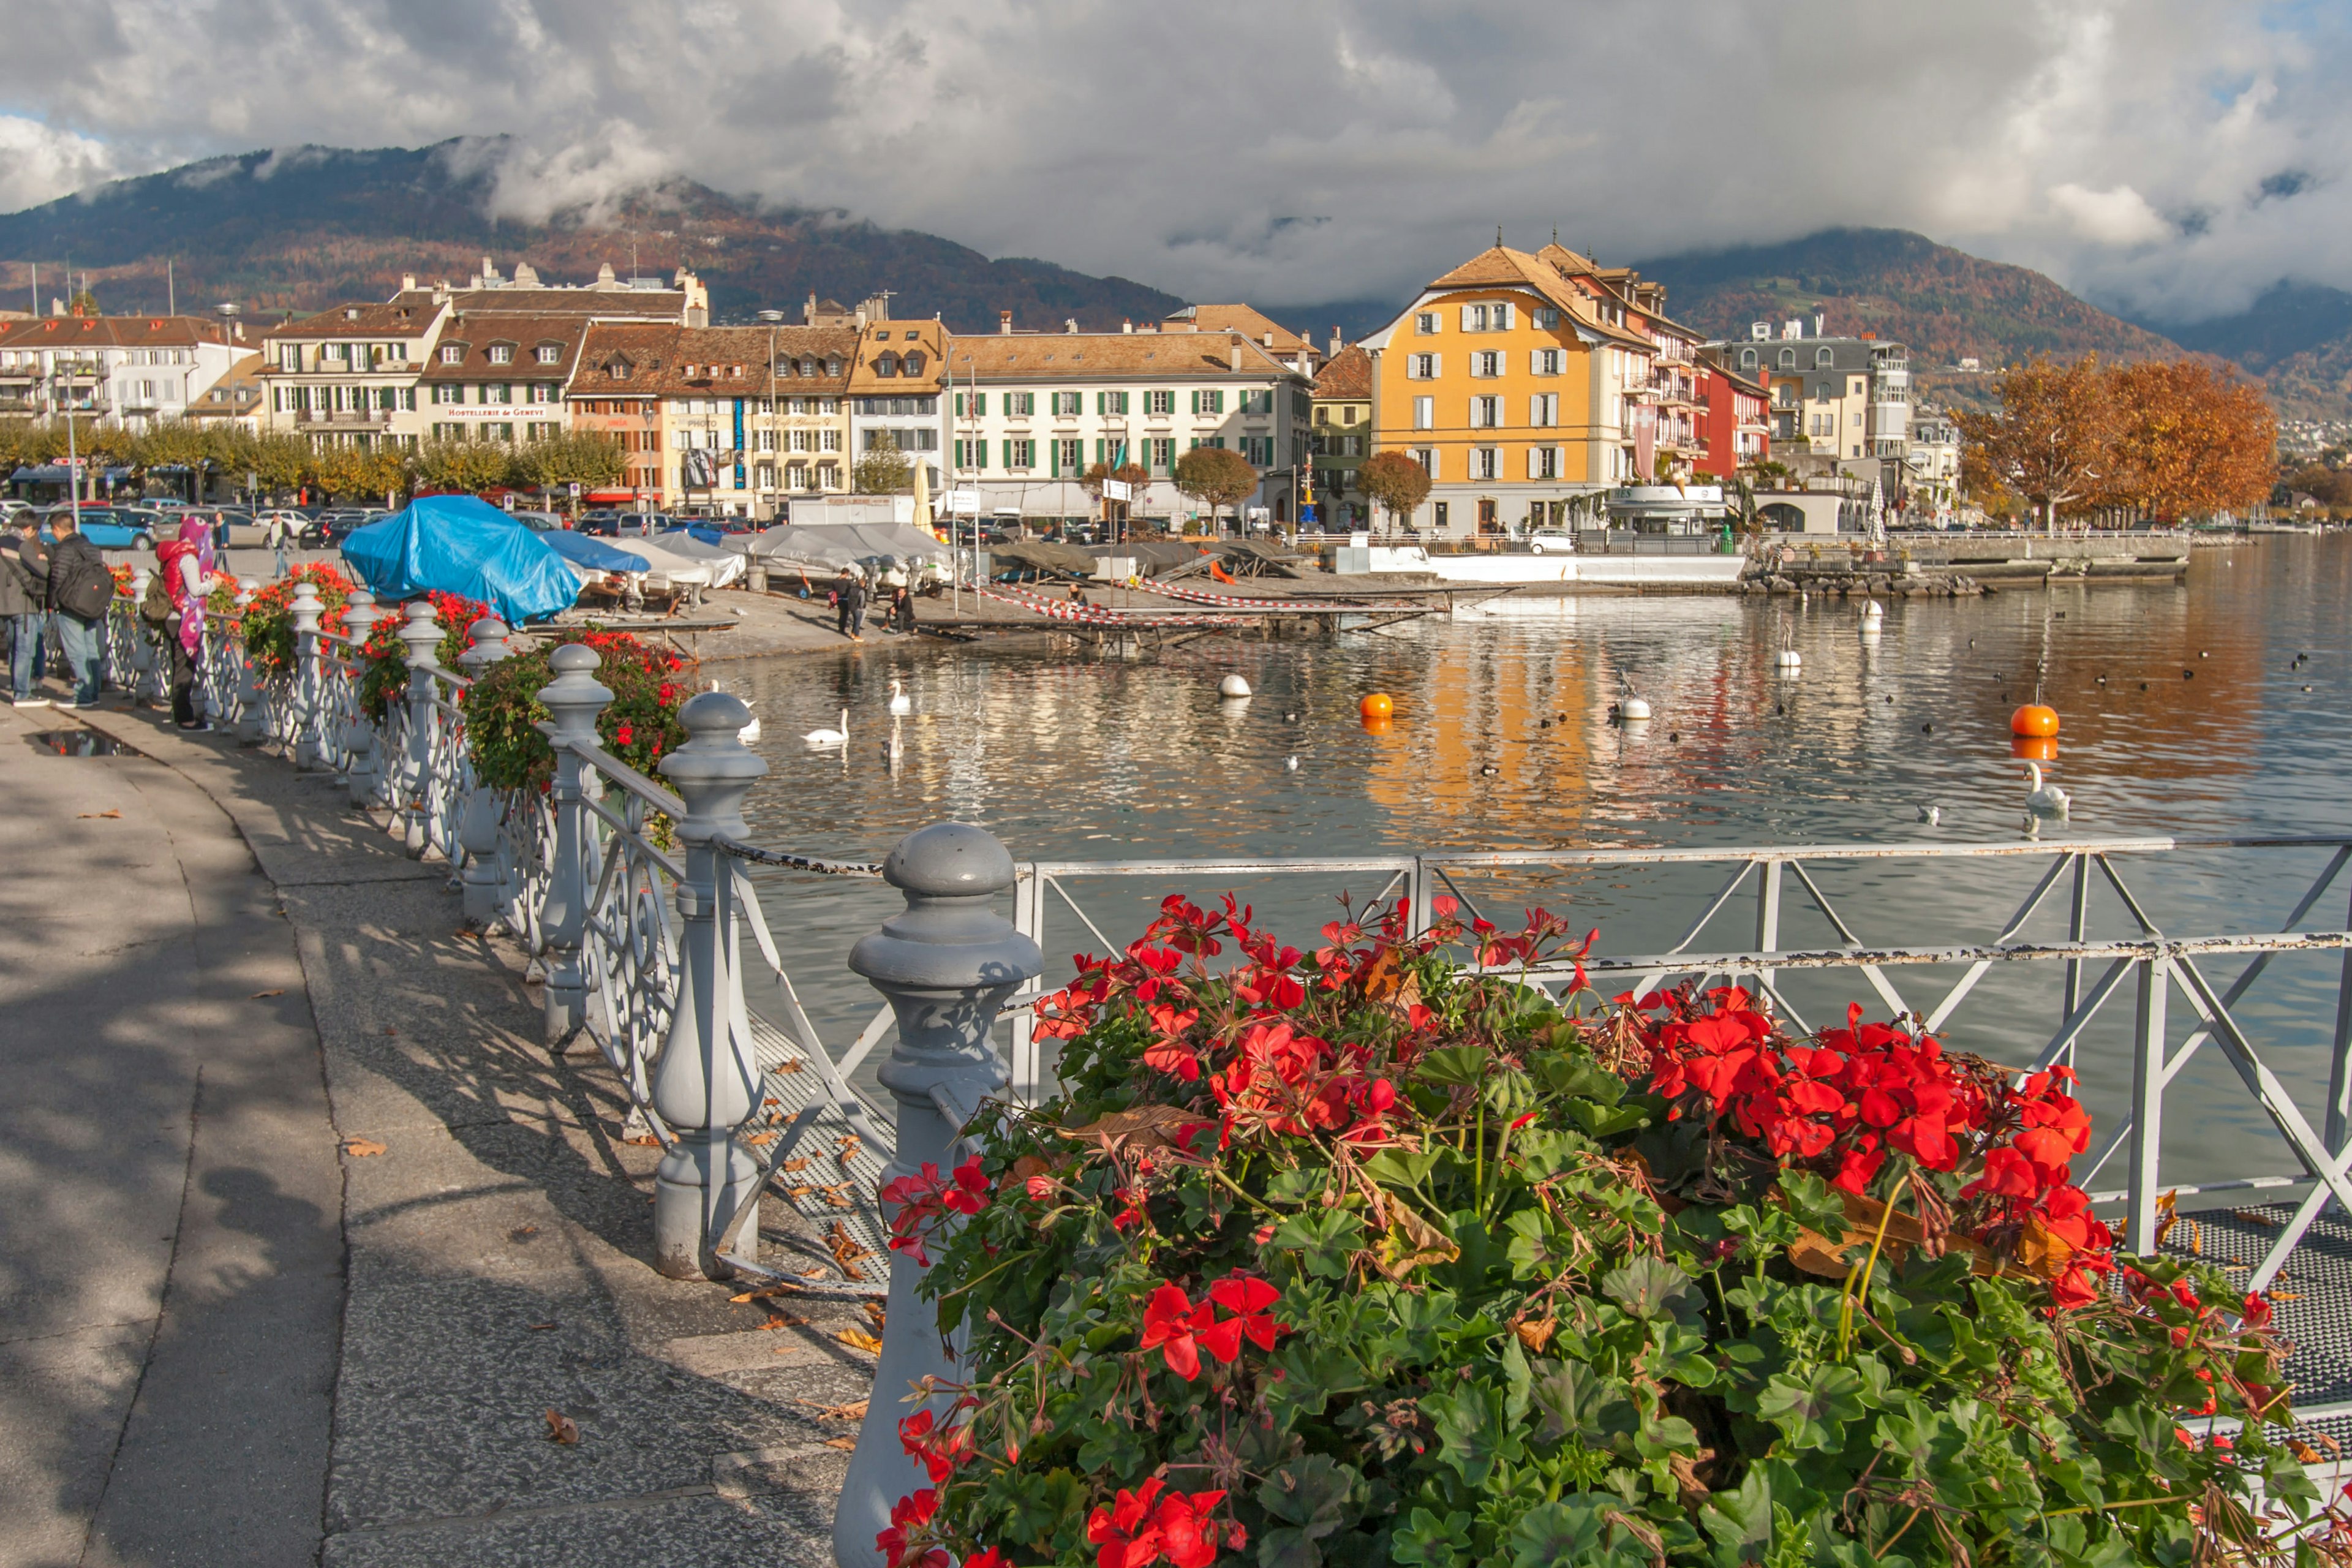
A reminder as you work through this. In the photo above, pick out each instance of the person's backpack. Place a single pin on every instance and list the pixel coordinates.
(155, 606)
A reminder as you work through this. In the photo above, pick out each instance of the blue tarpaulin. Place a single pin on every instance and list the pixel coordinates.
(459, 544)
(593, 553)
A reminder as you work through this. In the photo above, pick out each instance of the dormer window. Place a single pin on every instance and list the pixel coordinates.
(885, 364)
(618, 370)
(502, 354)
(453, 353)
(832, 366)
(737, 372)
(1821, 357)
(882, 337)
(551, 354)
(914, 363)
(1787, 359)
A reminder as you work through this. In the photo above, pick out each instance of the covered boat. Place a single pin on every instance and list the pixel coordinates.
(591, 554)
(460, 545)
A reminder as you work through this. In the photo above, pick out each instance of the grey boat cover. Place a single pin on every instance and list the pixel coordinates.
(832, 545)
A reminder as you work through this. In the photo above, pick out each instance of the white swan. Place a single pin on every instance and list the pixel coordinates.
(826, 738)
(2046, 800)
(899, 702)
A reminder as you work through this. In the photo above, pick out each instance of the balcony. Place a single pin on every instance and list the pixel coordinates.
(344, 418)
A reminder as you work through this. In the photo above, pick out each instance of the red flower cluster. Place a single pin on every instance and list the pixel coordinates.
(908, 1515)
(1140, 1527)
(1844, 1101)
(927, 1200)
(1179, 1330)
(941, 1450)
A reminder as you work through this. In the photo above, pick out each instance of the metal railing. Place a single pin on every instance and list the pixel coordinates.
(2158, 967)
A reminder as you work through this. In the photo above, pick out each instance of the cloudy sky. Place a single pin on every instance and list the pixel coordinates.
(2171, 156)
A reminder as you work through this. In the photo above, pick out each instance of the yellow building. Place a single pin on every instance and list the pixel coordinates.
(1523, 381)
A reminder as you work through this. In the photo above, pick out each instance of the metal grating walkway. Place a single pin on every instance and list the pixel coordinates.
(829, 1168)
(2312, 1296)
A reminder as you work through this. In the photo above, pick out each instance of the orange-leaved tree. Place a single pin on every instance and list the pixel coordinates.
(2187, 438)
(2049, 439)
(1396, 482)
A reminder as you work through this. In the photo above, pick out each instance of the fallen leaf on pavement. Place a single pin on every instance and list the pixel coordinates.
(259, 994)
(796, 1164)
(841, 1442)
(89, 814)
(389, 1030)
(859, 1339)
(360, 1148)
(877, 1313)
(561, 1428)
(787, 1349)
(784, 1321)
(644, 1141)
(780, 1287)
(854, 1411)
(759, 1138)
(812, 1273)
(785, 1067)
(541, 1327)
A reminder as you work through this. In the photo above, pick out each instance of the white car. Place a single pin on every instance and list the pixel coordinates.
(1552, 542)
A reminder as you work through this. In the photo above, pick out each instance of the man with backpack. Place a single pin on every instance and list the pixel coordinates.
(24, 604)
(80, 588)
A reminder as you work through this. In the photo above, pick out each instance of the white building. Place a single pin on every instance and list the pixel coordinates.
(1029, 413)
(135, 371)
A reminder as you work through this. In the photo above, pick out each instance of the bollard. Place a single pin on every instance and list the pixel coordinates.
(305, 741)
(252, 710)
(573, 700)
(946, 966)
(420, 637)
(360, 612)
(707, 1082)
(477, 832)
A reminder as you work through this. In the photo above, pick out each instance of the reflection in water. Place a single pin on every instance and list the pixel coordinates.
(2181, 713)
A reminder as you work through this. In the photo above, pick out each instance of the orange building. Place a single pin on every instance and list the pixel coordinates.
(1523, 382)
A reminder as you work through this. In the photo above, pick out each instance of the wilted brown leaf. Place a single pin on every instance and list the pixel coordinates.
(542, 1328)
(837, 1196)
(362, 1148)
(1137, 1127)
(98, 814)
(1410, 1242)
(561, 1428)
(756, 1139)
(859, 1339)
(782, 1320)
(854, 1411)
(259, 994)
(846, 1250)
(1535, 1332)
(876, 1314)
(786, 1066)
(643, 1141)
(841, 1442)
(796, 1164)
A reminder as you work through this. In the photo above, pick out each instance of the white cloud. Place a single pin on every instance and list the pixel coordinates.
(1318, 150)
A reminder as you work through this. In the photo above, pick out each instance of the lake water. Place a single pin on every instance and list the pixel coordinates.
(2202, 726)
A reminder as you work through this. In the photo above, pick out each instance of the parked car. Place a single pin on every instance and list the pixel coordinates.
(539, 521)
(628, 524)
(109, 528)
(1552, 542)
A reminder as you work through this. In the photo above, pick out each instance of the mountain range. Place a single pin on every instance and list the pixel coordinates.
(298, 229)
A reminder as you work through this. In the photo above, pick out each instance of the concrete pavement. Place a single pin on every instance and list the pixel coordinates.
(230, 1331)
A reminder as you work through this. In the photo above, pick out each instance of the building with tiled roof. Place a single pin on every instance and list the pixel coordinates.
(1526, 381)
(1031, 412)
(1294, 349)
(732, 420)
(235, 399)
(131, 370)
(894, 388)
(1342, 437)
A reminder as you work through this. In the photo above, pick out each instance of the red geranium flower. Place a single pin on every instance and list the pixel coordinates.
(1170, 1323)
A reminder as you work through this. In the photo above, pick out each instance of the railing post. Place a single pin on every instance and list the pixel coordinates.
(707, 1082)
(946, 966)
(252, 701)
(420, 637)
(360, 612)
(1767, 920)
(306, 741)
(477, 832)
(139, 678)
(2147, 1103)
(2339, 1073)
(573, 700)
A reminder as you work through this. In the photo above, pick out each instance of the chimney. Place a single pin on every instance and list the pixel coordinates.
(1759, 332)
(1269, 339)
(1820, 323)
(1004, 324)
(1336, 344)
(1234, 354)
(408, 282)
(1127, 325)
(1070, 323)
(808, 311)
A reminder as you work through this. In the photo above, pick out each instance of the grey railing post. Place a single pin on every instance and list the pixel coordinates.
(707, 1082)
(139, 678)
(477, 832)
(305, 741)
(360, 612)
(420, 637)
(573, 700)
(252, 700)
(2147, 1102)
(946, 964)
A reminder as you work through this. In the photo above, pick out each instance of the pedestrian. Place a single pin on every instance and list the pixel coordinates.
(849, 604)
(902, 608)
(24, 602)
(220, 532)
(81, 589)
(276, 538)
(186, 564)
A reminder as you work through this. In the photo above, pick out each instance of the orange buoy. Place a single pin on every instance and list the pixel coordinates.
(2035, 719)
(1377, 724)
(2033, 748)
(1376, 705)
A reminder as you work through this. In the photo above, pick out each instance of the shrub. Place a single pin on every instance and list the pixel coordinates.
(1371, 1257)
(639, 726)
(268, 622)
(383, 657)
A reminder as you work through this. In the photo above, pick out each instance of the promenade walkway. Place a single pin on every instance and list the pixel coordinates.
(303, 1233)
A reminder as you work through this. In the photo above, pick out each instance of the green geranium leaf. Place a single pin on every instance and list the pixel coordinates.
(1453, 1065)
(1303, 1185)
(1580, 1402)
(1651, 1287)
(1315, 1499)
(1578, 1075)
(1328, 1237)
(1812, 1411)
(1476, 1428)
(1426, 1541)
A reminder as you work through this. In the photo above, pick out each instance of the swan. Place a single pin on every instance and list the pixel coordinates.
(1931, 815)
(831, 737)
(1290, 764)
(899, 702)
(2046, 800)
(750, 731)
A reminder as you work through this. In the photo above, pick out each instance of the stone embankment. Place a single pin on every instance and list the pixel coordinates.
(1844, 582)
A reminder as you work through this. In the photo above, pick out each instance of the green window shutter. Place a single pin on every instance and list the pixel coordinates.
(1054, 456)
(980, 404)
(1099, 442)
(1196, 400)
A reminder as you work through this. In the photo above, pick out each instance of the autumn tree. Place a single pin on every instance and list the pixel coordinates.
(2186, 439)
(2048, 440)
(883, 470)
(468, 465)
(1214, 477)
(355, 473)
(588, 458)
(279, 462)
(1394, 481)
(1133, 475)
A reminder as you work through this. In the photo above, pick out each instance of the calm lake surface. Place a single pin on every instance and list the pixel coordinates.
(2202, 727)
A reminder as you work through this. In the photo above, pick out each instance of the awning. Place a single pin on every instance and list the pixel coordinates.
(58, 473)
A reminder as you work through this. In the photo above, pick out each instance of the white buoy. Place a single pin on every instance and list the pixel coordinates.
(1232, 686)
(1633, 709)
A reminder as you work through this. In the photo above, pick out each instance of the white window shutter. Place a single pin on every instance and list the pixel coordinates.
(1465, 320)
